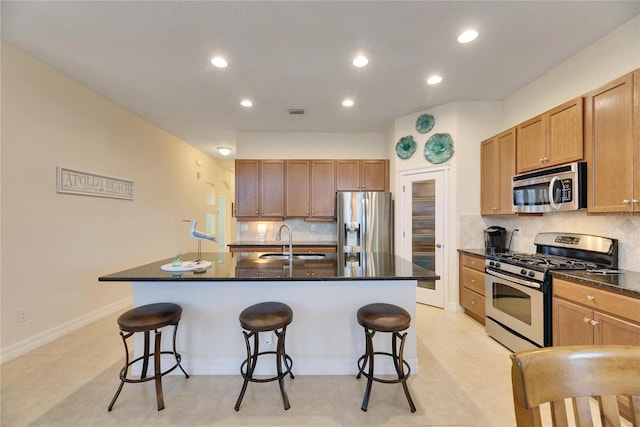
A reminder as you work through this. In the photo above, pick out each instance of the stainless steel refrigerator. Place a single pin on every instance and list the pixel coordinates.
(365, 226)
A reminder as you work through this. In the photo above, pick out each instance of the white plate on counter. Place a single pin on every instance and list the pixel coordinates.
(186, 266)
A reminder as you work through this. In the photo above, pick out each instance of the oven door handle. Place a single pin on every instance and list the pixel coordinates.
(517, 280)
(552, 201)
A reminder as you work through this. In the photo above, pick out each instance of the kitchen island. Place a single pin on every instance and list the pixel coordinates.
(324, 294)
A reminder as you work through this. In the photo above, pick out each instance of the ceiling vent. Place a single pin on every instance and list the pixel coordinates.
(296, 110)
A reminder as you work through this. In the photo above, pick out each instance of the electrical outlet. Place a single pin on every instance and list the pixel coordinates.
(268, 338)
(23, 315)
(313, 227)
(244, 227)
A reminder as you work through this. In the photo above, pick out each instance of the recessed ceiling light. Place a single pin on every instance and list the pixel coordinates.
(467, 36)
(224, 151)
(219, 62)
(434, 80)
(360, 61)
(246, 103)
(348, 103)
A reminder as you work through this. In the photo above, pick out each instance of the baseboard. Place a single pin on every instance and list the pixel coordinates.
(455, 307)
(45, 337)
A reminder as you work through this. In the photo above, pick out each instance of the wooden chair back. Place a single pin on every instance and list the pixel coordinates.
(594, 379)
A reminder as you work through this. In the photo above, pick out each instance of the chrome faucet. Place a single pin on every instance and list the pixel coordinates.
(279, 237)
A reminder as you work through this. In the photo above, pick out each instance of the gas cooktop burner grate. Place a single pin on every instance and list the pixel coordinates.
(545, 261)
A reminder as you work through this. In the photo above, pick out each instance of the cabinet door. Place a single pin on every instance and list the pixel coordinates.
(530, 144)
(247, 185)
(323, 188)
(609, 146)
(298, 188)
(272, 188)
(375, 175)
(609, 330)
(636, 140)
(564, 134)
(348, 175)
(571, 324)
(489, 177)
(497, 166)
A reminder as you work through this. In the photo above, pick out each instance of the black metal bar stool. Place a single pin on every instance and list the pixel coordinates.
(147, 318)
(381, 317)
(265, 317)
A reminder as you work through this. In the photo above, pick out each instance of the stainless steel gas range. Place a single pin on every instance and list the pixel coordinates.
(518, 285)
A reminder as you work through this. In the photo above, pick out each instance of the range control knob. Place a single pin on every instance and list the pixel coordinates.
(523, 271)
(491, 263)
(532, 274)
(497, 264)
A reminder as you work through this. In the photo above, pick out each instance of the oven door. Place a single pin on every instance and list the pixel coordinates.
(517, 306)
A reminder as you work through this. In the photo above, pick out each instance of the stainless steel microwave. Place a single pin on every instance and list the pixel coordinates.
(558, 188)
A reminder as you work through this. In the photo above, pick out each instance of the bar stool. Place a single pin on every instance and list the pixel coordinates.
(147, 318)
(381, 317)
(265, 317)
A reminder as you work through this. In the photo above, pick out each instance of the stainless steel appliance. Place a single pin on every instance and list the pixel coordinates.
(365, 225)
(559, 188)
(518, 286)
(495, 239)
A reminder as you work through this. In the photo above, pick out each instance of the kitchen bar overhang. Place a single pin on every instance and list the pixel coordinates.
(324, 338)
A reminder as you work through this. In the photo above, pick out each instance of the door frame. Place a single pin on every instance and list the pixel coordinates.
(442, 235)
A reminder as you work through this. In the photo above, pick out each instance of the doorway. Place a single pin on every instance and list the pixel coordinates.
(423, 201)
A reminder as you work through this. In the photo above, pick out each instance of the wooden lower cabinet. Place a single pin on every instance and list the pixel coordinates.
(586, 315)
(471, 275)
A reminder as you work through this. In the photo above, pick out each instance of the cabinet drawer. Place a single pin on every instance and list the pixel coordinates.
(620, 305)
(472, 279)
(473, 303)
(474, 262)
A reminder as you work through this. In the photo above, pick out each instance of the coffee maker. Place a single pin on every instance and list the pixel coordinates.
(495, 239)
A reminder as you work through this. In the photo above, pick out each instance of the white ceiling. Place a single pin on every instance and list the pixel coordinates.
(153, 57)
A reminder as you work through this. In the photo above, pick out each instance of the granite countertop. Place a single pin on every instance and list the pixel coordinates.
(627, 282)
(479, 252)
(227, 267)
(280, 243)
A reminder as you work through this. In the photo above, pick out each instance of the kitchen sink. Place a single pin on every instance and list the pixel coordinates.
(295, 256)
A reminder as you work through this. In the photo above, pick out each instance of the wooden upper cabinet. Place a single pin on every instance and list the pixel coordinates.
(259, 189)
(552, 138)
(612, 150)
(362, 175)
(310, 188)
(323, 188)
(497, 166)
(298, 188)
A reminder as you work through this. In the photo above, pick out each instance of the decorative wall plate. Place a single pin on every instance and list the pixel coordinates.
(405, 147)
(425, 123)
(438, 148)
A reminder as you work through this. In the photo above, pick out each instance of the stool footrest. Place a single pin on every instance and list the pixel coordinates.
(288, 362)
(361, 366)
(125, 369)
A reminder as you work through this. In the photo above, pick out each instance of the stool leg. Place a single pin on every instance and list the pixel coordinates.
(158, 372)
(251, 361)
(175, 353)
(399, 362)
(279, 357)
(123, 371)
(368, 359)
(145, 361)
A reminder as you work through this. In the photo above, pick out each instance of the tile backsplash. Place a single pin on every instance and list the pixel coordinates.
(624, 228)
(302, 230)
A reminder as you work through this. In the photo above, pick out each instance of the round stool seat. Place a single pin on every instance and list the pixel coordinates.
(383, 317)
(266, 316)
(150, 316)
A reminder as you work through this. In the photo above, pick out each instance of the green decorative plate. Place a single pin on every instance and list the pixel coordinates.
(405, 147)
(425, 123)
(438, 148)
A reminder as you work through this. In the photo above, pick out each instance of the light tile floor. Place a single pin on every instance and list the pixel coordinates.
(464, 380)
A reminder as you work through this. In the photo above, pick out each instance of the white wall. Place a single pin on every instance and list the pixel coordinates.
(55, 246)
(311, 145)
(612, 56)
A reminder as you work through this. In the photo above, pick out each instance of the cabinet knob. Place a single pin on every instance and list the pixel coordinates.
(473, 302)
(594, 322)
(590, 297)
(635, 201)
(473, 281)
(307, 211)
(473, 263)
(626, 201)
(587, 320)
(257, 212)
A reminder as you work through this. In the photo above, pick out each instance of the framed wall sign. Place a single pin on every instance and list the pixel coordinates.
(88, 184)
